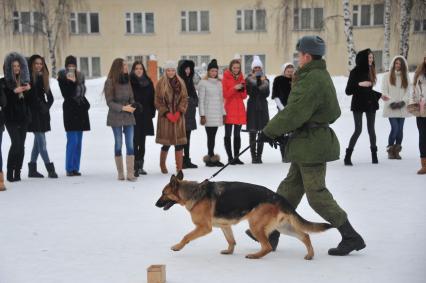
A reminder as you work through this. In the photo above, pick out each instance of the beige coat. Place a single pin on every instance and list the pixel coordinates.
(169, 133)
(418, 93)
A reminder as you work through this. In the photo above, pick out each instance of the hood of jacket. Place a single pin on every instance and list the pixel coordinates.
(361, 59)
(182, 65)
(403, 59)
(8, 70)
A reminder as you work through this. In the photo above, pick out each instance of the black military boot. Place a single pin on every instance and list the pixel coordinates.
(50, 167)
(348, 156)
(228, 148)
(351, 241)
(274, 238)
(32, 171)
(259, 152)
(237, 147)
(140, 166)
(374, 159)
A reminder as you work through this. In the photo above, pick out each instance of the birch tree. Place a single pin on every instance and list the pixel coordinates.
(386, 52)
(406, 7)
(349, 35)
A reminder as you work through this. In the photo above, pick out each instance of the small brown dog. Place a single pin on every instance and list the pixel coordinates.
(222, 204)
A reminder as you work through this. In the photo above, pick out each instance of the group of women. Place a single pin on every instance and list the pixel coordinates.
(133, 100)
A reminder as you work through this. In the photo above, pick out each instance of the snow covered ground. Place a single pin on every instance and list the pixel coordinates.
(95, 229)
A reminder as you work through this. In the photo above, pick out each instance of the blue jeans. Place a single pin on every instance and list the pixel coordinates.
(118, 138)
(397, 130)
(73, 154)
(39, 147)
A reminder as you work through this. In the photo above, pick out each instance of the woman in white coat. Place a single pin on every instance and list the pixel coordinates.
(211, 109)
(395, 85)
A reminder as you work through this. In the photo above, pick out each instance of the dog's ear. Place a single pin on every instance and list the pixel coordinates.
(174, 181)
(180, 175)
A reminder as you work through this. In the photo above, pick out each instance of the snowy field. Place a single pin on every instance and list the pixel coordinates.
(95, 229)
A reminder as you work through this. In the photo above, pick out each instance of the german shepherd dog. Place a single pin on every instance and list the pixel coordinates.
(222, 204)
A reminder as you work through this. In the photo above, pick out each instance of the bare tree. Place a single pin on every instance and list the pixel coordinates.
(348, 33)
(54, 15)
(386, 52)
(406, 7)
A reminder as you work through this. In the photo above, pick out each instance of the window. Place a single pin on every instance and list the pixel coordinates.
(248, 59)
(27, 22)
(308, 19)
(419, 25)
(378, 60)
(90, 66)
(368, 15)
(195, 21)
(84, 23)
(133, 58)
(251, 20)
(198, 59)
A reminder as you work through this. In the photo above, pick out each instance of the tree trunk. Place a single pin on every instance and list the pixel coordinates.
(386, 52)
(349, 35)
(405, 20)
(52, 53)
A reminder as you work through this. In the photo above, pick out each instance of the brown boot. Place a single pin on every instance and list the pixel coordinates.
(397, 149)
(119, 164)
(179, 160)
(2, 187)
(163, 158)
(130, 167)
(422, 170)
(391, 152)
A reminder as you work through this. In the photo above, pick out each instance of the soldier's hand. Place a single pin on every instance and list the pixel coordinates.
(265, 139)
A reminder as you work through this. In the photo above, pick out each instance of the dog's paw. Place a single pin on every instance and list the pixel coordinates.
(309, 257)
(177, 247)
(252, 256)
(227, 252)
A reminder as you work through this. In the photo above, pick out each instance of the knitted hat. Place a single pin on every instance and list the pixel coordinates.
(70, 60)
(311, 44)
(285, 66)
(256, 62)
(212, 65)
(170, 65)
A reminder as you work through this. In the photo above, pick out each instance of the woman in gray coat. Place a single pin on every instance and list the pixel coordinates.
(257, 107)
(121, 104)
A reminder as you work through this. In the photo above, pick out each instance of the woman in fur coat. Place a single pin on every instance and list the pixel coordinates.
(40, 99)
(395, 85)
(212, 112)
(171, 101)
(17, 111)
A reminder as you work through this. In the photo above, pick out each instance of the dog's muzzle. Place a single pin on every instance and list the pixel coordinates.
(165, 204)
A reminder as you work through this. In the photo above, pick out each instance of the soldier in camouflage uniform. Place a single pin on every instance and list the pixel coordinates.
(312, 106)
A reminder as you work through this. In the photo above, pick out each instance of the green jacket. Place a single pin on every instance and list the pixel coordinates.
(312, 100)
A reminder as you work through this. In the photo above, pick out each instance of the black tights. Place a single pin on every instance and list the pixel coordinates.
(17, 135)
(228, 130)
(371, 117)
(139, 146)
(187, 145)
(211, 137)
(421, 125)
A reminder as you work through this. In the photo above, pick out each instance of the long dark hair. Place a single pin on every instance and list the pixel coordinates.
(44, 71)
(404, 79)
(372, 70)
(116, 71)
(145, 74)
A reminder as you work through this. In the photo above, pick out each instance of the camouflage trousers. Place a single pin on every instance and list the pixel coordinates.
(310, 179)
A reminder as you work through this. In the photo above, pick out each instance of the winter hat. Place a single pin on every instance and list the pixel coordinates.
(237, 56)
(170, 65)
(70, 60)
(256, 62)
(212, 65)
(285, 66)
(311, 44)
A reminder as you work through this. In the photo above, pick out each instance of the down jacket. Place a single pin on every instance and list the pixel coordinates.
(211, 102)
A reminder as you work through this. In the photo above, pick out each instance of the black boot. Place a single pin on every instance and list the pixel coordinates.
(374, 159)
(351, 240)
(9, 174)
(274, 238)
(228, 148)
(259, 152)
(253, 148)
(237, 147)
(136, 168)
(141, 170)
(17, 175)
(348, 156)
(187, 164)
(50, 167)
(32, 171)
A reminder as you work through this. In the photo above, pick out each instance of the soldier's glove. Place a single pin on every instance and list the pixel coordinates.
(265, 139)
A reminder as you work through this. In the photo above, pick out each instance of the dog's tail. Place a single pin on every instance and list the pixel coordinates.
(300, 223)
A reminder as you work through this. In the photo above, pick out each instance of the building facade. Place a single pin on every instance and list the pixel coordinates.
(97, 31)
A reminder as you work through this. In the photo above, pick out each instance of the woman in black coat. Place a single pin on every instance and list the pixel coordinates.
(257, 107)
(40, 99)
(3, 103)
(186, 72)
(364, 100)
(143, 92)
(17, 112)
(76, 113)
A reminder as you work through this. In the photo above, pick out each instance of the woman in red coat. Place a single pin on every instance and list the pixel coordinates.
(234, 93)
